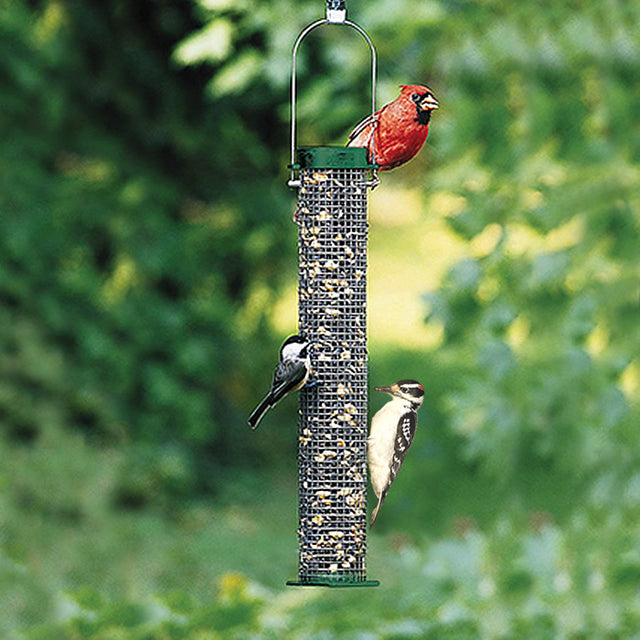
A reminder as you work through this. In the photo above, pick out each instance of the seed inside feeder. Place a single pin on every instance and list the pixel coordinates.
(332, 423)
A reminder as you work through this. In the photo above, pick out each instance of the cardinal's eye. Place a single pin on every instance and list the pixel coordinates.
(415, 97)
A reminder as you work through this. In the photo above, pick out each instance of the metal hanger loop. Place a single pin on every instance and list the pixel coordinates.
(333, 18)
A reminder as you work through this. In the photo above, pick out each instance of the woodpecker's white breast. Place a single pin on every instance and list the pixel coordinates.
(381, 442)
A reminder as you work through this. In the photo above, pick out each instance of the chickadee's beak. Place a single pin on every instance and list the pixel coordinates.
(429, 103)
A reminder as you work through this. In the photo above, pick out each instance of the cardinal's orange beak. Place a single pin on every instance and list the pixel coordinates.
(429, 103)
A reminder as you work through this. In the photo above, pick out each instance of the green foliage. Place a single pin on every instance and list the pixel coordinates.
(520, 580)
(134, 235)
(543, 312)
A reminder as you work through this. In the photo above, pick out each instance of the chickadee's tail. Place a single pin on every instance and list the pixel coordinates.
(259, 411)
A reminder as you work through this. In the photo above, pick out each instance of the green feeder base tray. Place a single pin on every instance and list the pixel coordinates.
(333, 582)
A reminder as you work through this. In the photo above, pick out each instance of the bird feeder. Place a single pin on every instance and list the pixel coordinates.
(332, 185)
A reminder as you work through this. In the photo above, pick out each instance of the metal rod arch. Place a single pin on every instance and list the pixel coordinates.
(374, 61)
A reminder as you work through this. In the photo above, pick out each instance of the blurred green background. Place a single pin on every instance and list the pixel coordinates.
(148, 276)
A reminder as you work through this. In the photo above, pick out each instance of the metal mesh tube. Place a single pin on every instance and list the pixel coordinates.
(332, 427)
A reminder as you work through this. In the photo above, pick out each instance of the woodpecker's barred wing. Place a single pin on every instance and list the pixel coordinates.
(289, 375)
(404, 437)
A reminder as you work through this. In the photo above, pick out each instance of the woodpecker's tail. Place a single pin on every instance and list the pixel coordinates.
(259, 411)
(374, 515)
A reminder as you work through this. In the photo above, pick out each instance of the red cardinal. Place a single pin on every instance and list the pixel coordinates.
(395, 133)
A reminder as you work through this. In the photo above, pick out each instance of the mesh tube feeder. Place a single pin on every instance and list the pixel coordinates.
(332, 184)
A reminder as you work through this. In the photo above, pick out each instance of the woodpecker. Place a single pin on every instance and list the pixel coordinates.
(291, 374)
(392, 431)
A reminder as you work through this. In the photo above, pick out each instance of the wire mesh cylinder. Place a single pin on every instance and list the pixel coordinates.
(332, 427)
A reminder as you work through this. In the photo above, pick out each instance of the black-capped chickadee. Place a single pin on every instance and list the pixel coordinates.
(391, 434)
(291, 374)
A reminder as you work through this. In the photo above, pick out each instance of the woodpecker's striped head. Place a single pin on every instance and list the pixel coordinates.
(408, 390)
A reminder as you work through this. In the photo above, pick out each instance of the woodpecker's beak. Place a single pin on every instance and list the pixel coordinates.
(428, 103)
(391, 390)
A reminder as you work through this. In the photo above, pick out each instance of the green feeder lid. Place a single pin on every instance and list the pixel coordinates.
(332, 158)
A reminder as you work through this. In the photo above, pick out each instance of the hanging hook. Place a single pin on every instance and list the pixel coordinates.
(336, 14)
(336, 11)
